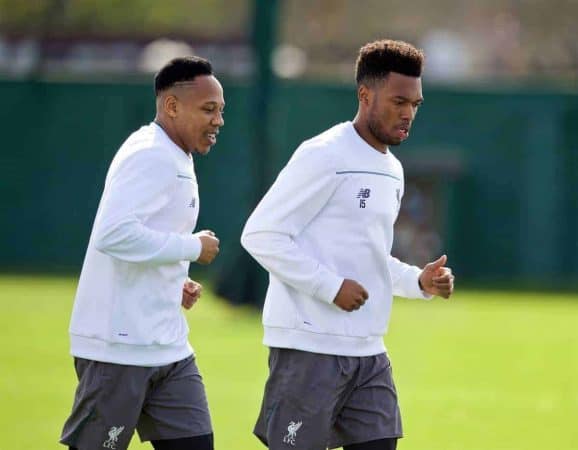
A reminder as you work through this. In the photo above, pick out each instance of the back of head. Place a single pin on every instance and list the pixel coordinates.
(181, 69)
(377, 59)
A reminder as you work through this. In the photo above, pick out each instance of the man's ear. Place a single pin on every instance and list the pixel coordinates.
(169, 103)
(363, 94)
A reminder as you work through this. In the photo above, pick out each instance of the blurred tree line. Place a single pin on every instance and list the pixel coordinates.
(209, 18)
(464, 39)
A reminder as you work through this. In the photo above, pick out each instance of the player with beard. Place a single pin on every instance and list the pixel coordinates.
(324, 232)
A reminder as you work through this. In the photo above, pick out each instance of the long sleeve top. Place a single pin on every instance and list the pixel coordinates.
(329, 216)
(127, 308)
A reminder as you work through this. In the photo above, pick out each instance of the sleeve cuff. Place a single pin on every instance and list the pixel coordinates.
(191, 248)
(416, 291)
(328, 289)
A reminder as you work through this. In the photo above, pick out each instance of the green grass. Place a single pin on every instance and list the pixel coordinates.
(484, 371)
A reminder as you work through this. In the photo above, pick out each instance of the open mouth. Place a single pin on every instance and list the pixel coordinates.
(402, 132)
(212, 137)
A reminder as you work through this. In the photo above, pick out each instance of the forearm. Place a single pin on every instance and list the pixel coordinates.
(282, 257)
(129, 240)
(405, 279)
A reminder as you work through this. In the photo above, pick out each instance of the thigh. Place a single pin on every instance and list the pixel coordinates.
(371, 411)
(176, 405)
(107, 405)
(300, 399)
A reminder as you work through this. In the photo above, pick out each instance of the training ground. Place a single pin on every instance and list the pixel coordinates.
(484, 371)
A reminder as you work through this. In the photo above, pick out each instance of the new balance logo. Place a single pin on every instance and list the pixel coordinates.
(363, 194)
(290, 437)
(112, 437)
(193, 202)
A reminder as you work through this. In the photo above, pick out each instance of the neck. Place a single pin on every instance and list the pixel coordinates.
(169, 131)
(362, 128)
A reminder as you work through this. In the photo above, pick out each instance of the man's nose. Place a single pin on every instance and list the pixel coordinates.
(408, 112)
(218, 120)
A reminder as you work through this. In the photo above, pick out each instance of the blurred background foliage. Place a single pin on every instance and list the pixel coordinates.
(210, 19)
(465, 40)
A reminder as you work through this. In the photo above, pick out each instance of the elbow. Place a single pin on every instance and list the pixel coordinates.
(246, 235)
(246, 241)
(106, 239)
(260, 244)
(252, 241)
(102, 241)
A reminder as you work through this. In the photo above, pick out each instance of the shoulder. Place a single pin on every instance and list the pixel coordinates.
(396, 164)
(144, 152)
(325, 149)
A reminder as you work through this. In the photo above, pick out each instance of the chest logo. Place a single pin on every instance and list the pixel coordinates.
(363, 195)
(193, 202)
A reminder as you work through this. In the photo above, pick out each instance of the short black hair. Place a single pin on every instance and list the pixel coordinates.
(185, 68)
(376, 59)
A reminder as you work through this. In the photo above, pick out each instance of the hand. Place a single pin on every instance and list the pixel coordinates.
(351, 296)
(210, 246)
(436, 279)
(191, 293)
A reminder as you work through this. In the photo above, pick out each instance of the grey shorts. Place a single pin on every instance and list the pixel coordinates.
(314, 401)
(112, 400)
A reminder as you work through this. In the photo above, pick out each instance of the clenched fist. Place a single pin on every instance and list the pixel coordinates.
(191, 293)
(351, 296)
(210, 246)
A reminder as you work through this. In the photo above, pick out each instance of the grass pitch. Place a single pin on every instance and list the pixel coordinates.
(483, 371)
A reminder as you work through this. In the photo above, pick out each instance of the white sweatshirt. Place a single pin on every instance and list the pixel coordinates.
(127, 308)
(330, 216)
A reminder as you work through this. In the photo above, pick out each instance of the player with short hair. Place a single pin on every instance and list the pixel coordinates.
(324, 232)
(129, 338)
